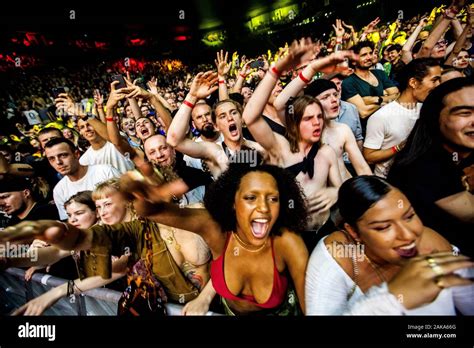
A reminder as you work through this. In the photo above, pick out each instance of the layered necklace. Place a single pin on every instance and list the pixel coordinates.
(246, 245)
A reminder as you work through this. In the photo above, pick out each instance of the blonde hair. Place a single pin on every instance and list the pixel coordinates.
(104, 189)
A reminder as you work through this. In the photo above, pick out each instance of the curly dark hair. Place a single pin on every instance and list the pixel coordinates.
(220, 197)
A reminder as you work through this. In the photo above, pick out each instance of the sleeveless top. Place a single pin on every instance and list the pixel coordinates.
(280, 283)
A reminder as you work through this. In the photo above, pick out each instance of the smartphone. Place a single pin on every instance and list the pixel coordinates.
(257, 64)
(120, 79)
(57, 91)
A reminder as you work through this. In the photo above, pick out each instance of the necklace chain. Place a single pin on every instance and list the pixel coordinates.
(172, 238)
(376, 269)
(245, 245)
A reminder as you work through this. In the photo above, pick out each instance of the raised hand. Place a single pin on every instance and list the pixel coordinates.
(298, 53)
(332, 63)
(423, 22)
(65, 102)
(98, 98)
(204, 84)
(338, 29)
(350, 27)
(221, 63)
(371, 27)
(152, 85)
(115, 95)
(245, 70)
(135, 91)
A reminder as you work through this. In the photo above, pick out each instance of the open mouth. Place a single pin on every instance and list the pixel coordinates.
(407, 251)
(317, 133)
(259, 227)
(233, 130)
(470, 134)
(145, 132)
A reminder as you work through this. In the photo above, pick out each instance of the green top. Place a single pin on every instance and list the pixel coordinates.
(129, 239)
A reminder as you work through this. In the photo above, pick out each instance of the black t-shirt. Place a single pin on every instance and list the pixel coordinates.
(193, 177)
(428, 179)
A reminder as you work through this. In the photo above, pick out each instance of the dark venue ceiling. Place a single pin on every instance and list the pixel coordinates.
(191, 30)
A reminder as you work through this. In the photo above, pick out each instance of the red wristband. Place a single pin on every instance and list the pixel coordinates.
(275, 71)
(304, 79)
(394, 149)
(109, 119)
(221, 81)
(242, 75)
(191, 105)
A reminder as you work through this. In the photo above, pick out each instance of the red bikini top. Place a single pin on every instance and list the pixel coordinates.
(280, 283)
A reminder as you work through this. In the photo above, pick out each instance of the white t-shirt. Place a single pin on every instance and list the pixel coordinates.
(388, 127)
(32, 117)
(66, 188)
(328, 285)
(107, 154)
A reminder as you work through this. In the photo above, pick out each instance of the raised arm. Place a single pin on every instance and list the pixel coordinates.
(203, 85)
(138, 92)
(222, 70)
(243, 73)
(461, 39)
(99, 105)
(328, 64)
(300, 51)
(112, 129)
(407, 54)
(151, 201)
(438, 31)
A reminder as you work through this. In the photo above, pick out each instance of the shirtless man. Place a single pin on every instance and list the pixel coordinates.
(337, 135)
(312, 163)
(227, 118)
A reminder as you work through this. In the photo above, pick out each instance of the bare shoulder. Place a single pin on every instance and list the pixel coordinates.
(289, 242)
(432, 242)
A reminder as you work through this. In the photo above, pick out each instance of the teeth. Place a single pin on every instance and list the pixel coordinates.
(263, 221)
(407, 247)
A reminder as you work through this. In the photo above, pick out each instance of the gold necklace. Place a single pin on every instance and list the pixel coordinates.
(376, 269)
(245, 245)
(170, 239)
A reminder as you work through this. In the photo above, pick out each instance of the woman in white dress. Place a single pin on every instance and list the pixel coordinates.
(381, 234)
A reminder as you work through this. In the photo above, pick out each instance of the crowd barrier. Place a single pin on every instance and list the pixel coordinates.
(15, 291)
